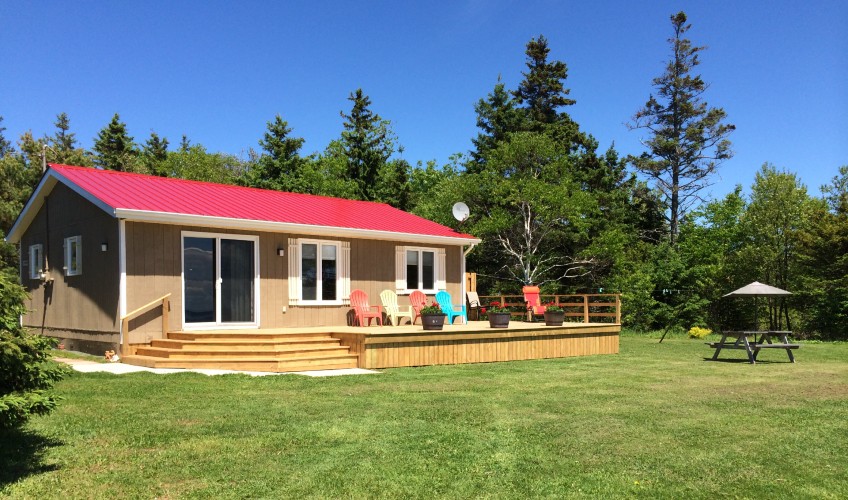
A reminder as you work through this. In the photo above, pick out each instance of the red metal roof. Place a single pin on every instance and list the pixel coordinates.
(121, 190)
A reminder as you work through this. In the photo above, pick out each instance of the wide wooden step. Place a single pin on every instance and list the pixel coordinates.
(251, 350)
(235, 344)
(324, 362)
(267, 351)
(241, 335)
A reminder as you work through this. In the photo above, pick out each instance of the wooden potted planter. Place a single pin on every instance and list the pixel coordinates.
(433, 321)
(554, 318)
(499, 319)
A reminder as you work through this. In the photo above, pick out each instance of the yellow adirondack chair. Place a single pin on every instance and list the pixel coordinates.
(393, 310)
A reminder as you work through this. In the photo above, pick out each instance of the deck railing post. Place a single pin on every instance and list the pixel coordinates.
(585, 308)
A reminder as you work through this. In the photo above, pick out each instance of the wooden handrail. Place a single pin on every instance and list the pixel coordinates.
(582, 301)
(163, 301)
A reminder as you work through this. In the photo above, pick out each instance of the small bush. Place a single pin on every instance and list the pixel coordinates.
(697, 332)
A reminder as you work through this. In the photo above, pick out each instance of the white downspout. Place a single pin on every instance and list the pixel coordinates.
(122, 272)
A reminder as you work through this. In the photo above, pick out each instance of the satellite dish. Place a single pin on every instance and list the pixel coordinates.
(460, 211)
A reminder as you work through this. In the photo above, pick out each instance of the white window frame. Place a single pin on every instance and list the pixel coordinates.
(73, 267)
(319, 280)
(36, 261)
(438, 270)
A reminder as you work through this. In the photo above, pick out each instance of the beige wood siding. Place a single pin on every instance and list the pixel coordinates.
(83, 306)
(154, 268)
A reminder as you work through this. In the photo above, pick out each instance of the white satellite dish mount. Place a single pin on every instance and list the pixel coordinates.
(460, 211)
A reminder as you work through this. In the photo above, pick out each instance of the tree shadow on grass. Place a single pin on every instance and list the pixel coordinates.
(22, 455)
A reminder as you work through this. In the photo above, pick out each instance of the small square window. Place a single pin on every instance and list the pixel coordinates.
(73, 256)
(36, 261)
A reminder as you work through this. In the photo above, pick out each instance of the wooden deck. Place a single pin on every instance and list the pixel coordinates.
(317, 348)
(390, 347)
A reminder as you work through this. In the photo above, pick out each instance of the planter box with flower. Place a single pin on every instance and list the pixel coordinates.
(554, 315)
(498, 315)
(432, 317)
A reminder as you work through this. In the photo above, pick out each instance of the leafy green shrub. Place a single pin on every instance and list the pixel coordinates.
(27, 371)
(697, 332)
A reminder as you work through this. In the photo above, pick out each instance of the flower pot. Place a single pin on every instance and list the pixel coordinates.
(554, 318)
(499, 320)
(433, 321)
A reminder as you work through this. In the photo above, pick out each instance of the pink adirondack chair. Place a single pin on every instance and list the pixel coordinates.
(359, 302)
(531, 298)
(418, 301)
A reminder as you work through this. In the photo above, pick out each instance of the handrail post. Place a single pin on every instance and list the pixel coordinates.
(585, 308)
(125, 337)
(618, 308)
(166, 306)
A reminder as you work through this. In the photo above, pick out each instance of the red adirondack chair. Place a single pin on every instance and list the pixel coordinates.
(359, 302)
(418, 301)
(531, 298)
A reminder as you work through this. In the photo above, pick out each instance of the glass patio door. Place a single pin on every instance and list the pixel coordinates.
(219, 280)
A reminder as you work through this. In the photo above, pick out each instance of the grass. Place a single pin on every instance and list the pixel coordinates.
(61, 353)
(656, 421)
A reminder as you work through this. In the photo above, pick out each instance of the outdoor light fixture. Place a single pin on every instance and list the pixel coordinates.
(281, 252)
(104, 246)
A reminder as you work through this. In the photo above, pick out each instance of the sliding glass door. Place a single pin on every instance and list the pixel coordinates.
(220, 280)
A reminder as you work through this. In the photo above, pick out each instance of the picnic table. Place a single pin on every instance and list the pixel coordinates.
(753, 347)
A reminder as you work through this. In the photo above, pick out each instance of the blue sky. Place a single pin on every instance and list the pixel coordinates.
(218, 71)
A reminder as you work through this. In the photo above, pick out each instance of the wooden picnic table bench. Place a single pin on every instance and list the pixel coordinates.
(753, 348)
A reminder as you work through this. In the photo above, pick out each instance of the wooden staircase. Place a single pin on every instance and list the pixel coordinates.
(263, 351)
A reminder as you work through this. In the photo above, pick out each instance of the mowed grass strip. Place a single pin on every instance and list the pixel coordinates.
(655, 421)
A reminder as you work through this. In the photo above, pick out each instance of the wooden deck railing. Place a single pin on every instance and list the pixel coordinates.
(584, 306)
(163, 301)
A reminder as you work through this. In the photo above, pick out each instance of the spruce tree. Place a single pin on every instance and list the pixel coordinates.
(688, 139)
(543, 90)
(63, 140)
(280, 166)
(114, 148)
(497, 116)
(155, 152)
(5, 145)
(63, 145)
(367, 144)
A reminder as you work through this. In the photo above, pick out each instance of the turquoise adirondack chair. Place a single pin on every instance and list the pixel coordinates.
(453, 311)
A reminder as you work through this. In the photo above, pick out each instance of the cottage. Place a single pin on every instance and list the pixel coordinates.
(96, 244)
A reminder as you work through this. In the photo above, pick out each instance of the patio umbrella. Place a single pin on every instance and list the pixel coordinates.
(757, 289)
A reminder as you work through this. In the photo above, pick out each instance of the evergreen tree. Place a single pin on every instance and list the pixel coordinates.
(63, 145)
(687, 139)
(114, 148)
(393, 186)
(280, 167)
(154, 153)
(497, 116)
(28, 372)
(63, 139)
(185, 144)
(5, 145)
(543, 90)
(367, 145)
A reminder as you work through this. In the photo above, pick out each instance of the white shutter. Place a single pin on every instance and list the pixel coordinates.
(441, 271)
(400, 269)
(294, 272)
(344, 272)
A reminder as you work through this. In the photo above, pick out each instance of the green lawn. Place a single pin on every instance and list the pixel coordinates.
(656, 420)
